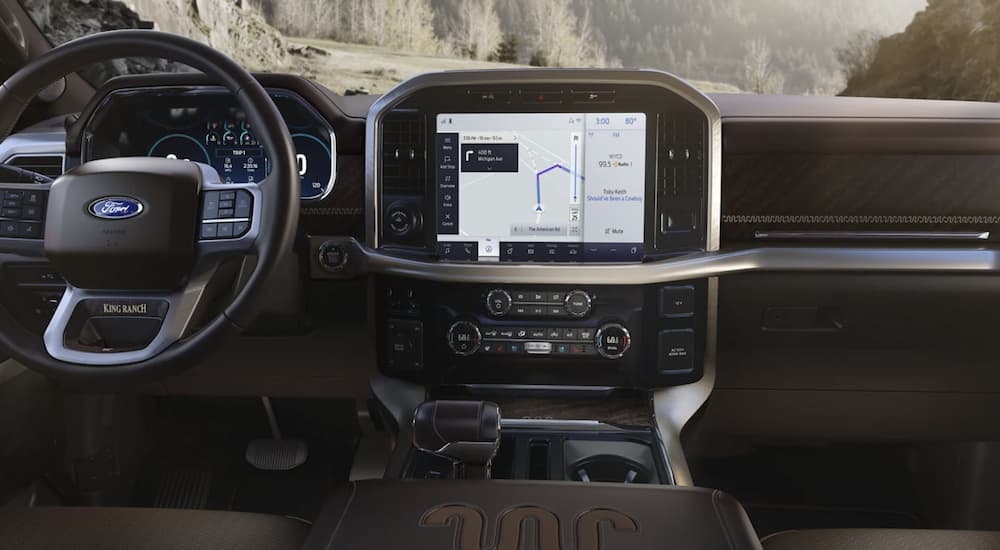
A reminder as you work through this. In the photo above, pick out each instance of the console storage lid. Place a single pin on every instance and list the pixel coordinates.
(510, 515)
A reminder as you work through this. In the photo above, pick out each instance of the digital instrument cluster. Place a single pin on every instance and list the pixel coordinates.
(206, 125)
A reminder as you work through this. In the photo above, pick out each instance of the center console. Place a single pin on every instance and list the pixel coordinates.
(525, 212)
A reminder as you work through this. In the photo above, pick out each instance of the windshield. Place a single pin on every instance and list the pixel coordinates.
(889, 48)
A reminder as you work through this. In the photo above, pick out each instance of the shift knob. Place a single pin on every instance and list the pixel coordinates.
(465, 432)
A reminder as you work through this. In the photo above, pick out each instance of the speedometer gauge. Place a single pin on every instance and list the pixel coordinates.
(179, 146)
(315, 164)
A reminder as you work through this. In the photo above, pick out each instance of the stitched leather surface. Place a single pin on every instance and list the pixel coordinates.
(518, 515)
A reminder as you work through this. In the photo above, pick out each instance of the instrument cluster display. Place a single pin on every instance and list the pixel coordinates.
(206, 125)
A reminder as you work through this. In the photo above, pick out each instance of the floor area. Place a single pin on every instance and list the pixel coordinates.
(199, 446)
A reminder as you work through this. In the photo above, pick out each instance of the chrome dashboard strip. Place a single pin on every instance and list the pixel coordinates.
(692, 266)
(874, 235)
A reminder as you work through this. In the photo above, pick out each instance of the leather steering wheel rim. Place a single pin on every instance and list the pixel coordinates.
(279, 193)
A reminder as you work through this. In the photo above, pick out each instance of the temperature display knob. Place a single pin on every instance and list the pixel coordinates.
(612, 340)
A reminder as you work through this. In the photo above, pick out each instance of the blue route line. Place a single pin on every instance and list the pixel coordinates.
(538, 180)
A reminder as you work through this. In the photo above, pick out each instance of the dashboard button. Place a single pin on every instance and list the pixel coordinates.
(498, 302)
(464, 338)
(491, 332)
(332, 256)
(519, 310)
(577, 303)
(677, 301)
(490, 97)
(593, 96)
(506, 333)
(676, 350)
(541, 97)
(537, 310)
(612, 341)
(569, 334)
(553, 334)
(537, 333)
(556, 311)
(29, 230)
(538, 348)
(520, 295)
(521, 333)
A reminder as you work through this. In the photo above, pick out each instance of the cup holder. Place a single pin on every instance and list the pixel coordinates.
(609, 469)
(609, 462)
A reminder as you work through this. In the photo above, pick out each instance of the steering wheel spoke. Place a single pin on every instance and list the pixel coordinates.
(230, 215)
(104, 328)
(22, 218)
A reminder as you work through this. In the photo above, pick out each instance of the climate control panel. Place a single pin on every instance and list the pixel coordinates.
(610, 341)
(553, 304)
(560, 335)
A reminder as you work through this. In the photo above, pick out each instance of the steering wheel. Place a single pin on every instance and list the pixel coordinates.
(138, 240)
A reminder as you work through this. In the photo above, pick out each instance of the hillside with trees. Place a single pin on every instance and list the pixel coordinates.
(951, 50)
(765, 46)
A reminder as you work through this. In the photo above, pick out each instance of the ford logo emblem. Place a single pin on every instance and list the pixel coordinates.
(115, 208)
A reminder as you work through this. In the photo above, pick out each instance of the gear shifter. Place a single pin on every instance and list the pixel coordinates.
(465, 432)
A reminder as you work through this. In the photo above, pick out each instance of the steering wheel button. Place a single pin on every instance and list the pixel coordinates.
(33, 198)
(227, 195)
(210, 210)
(226, 213)
(240, 228)
(209, 230)
(244, 204)
(32, 213)
(8, 229)
(223, 203)
(13, 195)
(11, 203)
(11, 212)
(225, 230)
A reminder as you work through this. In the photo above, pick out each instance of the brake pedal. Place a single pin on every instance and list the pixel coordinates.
(277, 453)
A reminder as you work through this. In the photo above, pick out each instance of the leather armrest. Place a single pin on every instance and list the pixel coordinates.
(497, 515)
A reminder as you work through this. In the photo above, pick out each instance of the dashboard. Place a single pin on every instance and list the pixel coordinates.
(789, 266)
(204, 124)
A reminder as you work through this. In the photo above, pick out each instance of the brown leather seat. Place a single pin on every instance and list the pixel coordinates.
(882, 539)
(87, 528)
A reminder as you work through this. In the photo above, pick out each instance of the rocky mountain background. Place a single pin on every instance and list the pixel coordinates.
(896, 48)
(950, 50)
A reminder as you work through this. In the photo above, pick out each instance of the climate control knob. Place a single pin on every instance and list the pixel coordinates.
(464, 338)
(612, 340)
(577, 303)
(498, 302)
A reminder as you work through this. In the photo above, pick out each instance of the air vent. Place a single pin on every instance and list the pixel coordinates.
(47, 165)
(682, 151)
(404, 154)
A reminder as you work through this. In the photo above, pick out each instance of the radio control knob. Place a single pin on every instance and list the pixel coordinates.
(612, 340)
(577, 303)
(464, 338)
(498, 302)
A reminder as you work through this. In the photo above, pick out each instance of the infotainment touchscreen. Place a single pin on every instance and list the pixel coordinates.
(541, 186)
